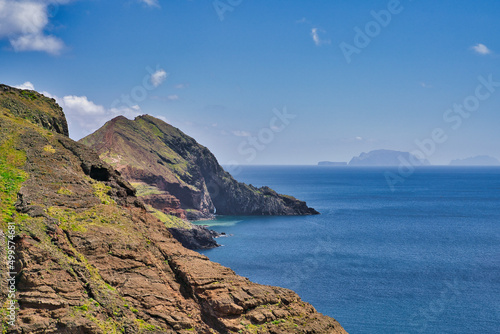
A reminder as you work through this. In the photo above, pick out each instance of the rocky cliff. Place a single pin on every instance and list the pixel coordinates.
(87, 257)
(164, 161)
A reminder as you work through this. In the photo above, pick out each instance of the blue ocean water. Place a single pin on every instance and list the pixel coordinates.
(424, 258)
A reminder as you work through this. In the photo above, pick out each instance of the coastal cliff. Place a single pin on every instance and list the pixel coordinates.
(89, 257)
(164, 161)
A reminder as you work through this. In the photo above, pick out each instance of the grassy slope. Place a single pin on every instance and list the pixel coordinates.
(131, 140)
(75, 246)
(105, 215)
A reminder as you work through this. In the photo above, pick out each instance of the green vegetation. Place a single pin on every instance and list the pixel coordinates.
(101, 190)
(277, 322)
(29, 95)
(144, 326)
(80, 220)
(49, 149)
(32, 107)
(144, 189)
(11, 177)
(67, 219)
(169, 220)
(64, 191)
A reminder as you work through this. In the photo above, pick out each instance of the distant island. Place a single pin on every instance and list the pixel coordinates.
(385, 158)
(480, 160)
(380, 158)
(331, 163)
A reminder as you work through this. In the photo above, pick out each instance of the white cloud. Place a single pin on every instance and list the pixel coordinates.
(129, 112)
(315, 36)
(173, 97)
(48, 94)
(239, 133)
(27, 85)
(84, 116)
(38, 42)
(151, 3)
(181, 86)
(22, 17)
(24, 22)
(81, 105)
(158, 77)
(481, 49)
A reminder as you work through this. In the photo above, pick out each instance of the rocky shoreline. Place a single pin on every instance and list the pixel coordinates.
(89, 257)
(198, 237)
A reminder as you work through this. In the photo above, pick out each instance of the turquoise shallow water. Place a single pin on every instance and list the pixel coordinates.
(422, 259)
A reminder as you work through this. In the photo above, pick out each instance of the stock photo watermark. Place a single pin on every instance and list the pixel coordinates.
(454, 117)
(364, 35)
(11, 274)
(252, 145)
(421, 319)
(139, 93)
(223, 6)
(301, 272)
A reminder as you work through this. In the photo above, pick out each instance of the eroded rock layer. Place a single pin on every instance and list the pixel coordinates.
(149, 151)
(91, 259)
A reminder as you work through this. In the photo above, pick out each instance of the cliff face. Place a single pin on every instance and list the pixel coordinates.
(34, 107)
(156, 156)
(89, 258)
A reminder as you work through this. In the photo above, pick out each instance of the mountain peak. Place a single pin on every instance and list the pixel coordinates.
(86, 256)
(35, 107)
(155, 155)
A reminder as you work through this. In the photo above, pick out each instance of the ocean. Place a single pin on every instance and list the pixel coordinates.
(423, 257)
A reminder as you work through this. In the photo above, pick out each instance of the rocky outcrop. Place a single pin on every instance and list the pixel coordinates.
(197, 237)
(34, 107)
(89, 258)
(151, 151)
(166, 203)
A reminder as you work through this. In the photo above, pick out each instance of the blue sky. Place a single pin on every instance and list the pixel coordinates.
(268, 82)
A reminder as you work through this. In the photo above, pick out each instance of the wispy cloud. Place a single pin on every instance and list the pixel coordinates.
(82, 106)
(151, 3)
(24, 23)
(38, 42)
(173, 97)
(239, 133)
(83, 115)
(481, 49)
(424, 85)
(27, 85)
(158, 77)
(181, 86)
(316, 38)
